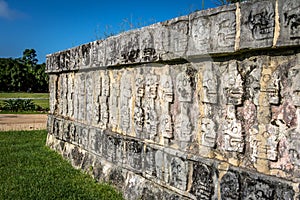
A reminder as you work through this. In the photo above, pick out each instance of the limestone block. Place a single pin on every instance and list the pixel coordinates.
(98, 53)
(114, 100)
(223, 29)
(202, 181)
(128, 50)
(85, 56)
(178, 36)
(52, 93)
(257, 24)
(199, 37)
(83, 137)
(81, 98)
(148, 51)
(210, 85)
(149, 161)
(74, 58)
(230, 186)
(125, 102)
(289, 18)
(66, 131)
(134, 152)
(95, 141)
(159, 165)
(178, 170)
(70, 95)
(89, 97)
(111, 48)
(112, 148)
(209, 132)
(294, 74)
(50, 124)
(244, 185)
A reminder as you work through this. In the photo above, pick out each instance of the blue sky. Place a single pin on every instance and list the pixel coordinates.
(53, 25)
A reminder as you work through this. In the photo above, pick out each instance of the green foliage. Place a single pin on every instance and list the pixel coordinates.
(30, 170)
(23, 74)
(40, 101)
(16, 105)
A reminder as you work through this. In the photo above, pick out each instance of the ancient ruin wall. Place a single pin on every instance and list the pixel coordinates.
(204, 106)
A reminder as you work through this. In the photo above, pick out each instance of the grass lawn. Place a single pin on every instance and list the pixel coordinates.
(23, 95)
(30, 170)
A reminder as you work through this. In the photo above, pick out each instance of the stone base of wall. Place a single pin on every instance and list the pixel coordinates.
(149, 171)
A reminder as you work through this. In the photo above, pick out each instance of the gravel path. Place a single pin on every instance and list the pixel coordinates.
(16, 122)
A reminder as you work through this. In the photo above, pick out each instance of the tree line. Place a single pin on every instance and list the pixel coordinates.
(23, 74)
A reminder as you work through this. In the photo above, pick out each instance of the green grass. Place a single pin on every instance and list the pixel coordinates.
(30, 170)
(23, 95)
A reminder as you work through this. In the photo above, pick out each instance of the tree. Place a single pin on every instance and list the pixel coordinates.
(23, 74)
(29, 57)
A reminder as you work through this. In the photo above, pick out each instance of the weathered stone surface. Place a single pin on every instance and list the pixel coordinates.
(257, 24)
(197, 107)
(289, 23)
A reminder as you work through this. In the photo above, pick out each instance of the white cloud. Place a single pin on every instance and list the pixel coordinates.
(8, 13)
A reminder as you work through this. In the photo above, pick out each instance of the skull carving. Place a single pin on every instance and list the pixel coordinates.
(167, 88)
(209, 134)
(166, 126)
(233, 85)
(295, 75)
(210, 86)
(183, 87)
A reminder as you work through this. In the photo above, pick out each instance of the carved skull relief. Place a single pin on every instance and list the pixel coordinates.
(209, 133)
(183, 87)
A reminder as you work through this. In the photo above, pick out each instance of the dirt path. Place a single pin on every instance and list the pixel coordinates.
(16, 122)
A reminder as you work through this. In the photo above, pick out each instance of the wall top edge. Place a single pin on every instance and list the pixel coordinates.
(216, 31)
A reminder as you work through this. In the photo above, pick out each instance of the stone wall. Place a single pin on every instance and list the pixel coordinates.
(204, 106)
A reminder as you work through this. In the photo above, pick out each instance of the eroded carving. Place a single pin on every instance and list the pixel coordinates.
(200, 33)
(151, 120)
(183, 127)
(125, 99)
(114, 101)
(134, 154)
(291, 13)
(272, 141)
(166, 126)
(139, 115)
(233, 85)
(209, 132)
(225, 29)
(210, 85)
(85, 54)
(178, 173)
(257, 190)
(294, 73)
(203, 184)
(184, 87)
(261, 20)
(230, 186)
(149, 161)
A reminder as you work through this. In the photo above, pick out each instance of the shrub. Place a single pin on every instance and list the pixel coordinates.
(16, 105)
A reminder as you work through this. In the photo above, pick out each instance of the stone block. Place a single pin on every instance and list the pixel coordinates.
(134, 152)
(223, 29)
(200, 41)
(289, 18)
(257, 24)
(202, 181)
(149, 161)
